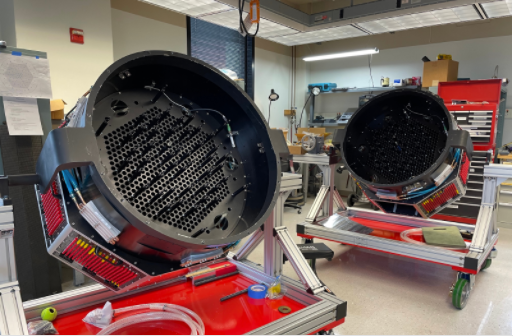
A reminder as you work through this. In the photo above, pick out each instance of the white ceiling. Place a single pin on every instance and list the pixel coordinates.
(278, 29)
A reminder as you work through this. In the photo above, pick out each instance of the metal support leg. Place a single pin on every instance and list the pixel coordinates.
(487, 218)
(339, 201)
(78, 278)
(250, 245)
(324, 196)
(318, 203)
(273, 254)
(12, 316)
(307, 276)
(304, 170)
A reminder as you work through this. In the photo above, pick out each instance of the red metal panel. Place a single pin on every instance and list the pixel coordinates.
(232, 317)
(455, 219)
(474, 90)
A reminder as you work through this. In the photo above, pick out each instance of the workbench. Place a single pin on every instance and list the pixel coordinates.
(313, 308)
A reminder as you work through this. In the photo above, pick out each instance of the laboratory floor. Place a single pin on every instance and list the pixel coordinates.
(392, 295)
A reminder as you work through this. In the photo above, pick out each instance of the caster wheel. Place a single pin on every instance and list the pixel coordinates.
(486, 264)
(351, 200)
(460, 293)
(299, 212)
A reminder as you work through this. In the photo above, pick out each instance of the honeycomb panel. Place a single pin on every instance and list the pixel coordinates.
(401, 149)
(166, 168)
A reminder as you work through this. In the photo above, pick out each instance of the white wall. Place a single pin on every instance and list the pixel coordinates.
(273, 70)
(132, 33)
(44, 26)
(7, 26)
(477, 59)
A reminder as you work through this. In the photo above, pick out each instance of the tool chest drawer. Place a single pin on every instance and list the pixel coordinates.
(477, 123)
(474, 192)
(474, 200)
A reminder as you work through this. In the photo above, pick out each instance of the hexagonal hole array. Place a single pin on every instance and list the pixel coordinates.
(156, 152)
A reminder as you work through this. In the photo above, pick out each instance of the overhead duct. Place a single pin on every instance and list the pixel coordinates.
(289, 26)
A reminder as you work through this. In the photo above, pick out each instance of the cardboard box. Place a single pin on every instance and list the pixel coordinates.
(315, 130)
(296, 150)
(439, 71)
(57, 109)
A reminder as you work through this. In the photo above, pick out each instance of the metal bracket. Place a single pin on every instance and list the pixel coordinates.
(320, 201)
(250, 245)
(278, 241)
(486, 223)
(298, 262)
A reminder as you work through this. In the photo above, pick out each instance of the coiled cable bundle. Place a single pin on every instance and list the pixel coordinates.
(158, 312)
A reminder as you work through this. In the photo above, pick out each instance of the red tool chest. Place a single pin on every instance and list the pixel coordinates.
(479, 117)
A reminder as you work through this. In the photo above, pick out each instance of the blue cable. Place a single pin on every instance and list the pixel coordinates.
(71, 178)
(67, 182)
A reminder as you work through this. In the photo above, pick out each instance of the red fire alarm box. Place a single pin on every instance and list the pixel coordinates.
(76, 35)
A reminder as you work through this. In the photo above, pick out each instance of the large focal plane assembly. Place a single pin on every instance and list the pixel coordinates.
(406, 153)
(172, 166)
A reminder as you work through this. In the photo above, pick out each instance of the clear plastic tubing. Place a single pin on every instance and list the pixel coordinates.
(158, 312)
(405, 235)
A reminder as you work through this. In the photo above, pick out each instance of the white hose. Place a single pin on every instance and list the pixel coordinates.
(159, 312)
(405, 236)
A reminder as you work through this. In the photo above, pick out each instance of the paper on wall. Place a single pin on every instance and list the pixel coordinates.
(22, 116)
(24, 76)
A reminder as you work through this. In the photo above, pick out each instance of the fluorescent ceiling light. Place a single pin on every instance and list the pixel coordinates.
(329, 34)
(497, 8)
(425, 19)
(267, 28)
(191, 7)
(345, 54)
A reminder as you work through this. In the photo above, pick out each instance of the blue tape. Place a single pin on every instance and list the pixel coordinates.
(257, 291)
(16, 53)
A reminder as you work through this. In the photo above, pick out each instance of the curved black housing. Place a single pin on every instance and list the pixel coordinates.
(162, 161)
(398, 138)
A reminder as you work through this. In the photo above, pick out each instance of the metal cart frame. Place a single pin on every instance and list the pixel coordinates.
(481, 251)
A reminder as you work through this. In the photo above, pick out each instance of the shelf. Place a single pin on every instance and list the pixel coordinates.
(326, 125)
(373, 89)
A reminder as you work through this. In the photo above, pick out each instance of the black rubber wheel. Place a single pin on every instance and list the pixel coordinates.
(351, 200)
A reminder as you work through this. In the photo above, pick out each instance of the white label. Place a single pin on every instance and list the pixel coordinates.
(461, 118)
(22, 116)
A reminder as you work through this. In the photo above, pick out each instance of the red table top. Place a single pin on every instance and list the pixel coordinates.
(235, 316)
